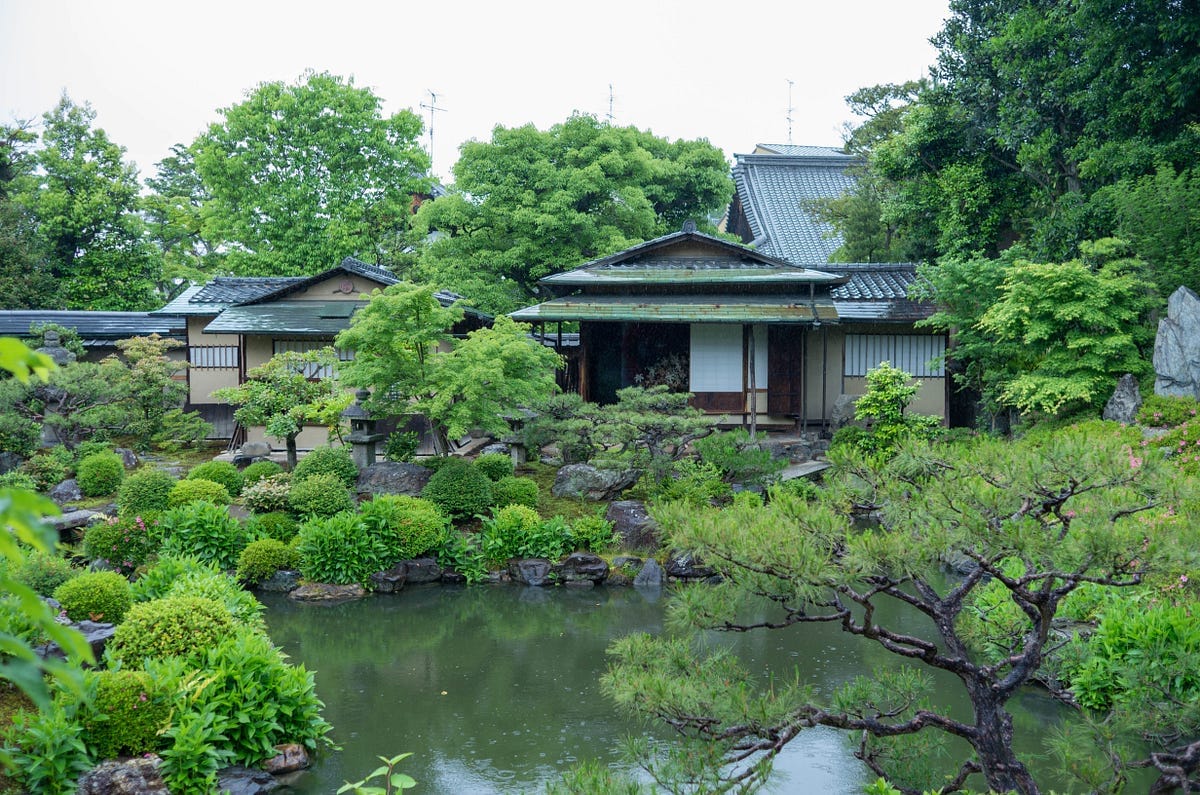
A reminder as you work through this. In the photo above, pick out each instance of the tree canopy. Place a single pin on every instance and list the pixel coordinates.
(529, 203)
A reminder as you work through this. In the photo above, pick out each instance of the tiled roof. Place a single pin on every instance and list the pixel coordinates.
(877, 292)
(223, 291)
(96, 328)
(773, 190)
(347, 265)
(719, 308)
(797, 150)
(299, 318)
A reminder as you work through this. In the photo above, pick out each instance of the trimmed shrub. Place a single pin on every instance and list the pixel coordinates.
(89, 448)
(513, 490)
(50, 468)
(507, 534)
(405, 526)
(221, 472)
(593, 533)
(338, 549)
(95, 596)
(177, 626)
(44, 572)
(129, 709)
(327, 461)
(123, 543)
(322, 494)
(18, 480)
(146, 491)
(179, 429)
(204, 531)
(19, 435)
(739, 457)
(245, 610)
(459, 489)
(186, 492)
(259, 470)
(269, 494)
(261, 559)
(100, 474)
(1167, 410)
(279, 526)
(495, 465)
(158, 580)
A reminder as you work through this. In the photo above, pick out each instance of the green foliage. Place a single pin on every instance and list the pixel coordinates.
(567, 422)
(401, 446)
(327, 461)
(686, 481)
(495, 465)
(658, 424)
(459, 489)
(153, 385)
(179, 429)
(393, 780)
(68, 337)
(512, 490)
(517, 531)
(1159, 214)
(221, 472)
(1182, 443)
(889, 391)
(43, 572)
(278, 525)
(47, 750)
(195, 752)
(244, 609)
(405, 526)
(146, 491)
(50, 468)
(124, 544)
(95, 596)
(461, 553)
(157, 581)
(268, 495)
(18, 434)
(593, 533)
(320, 495)
(740, 458)
(1167, 410)
(100, 475)
(261, 559)
(259, 470)
(174, 626)
(189, 492)
(204, 531)
(338, 549)
(16, 479)
(129, 709)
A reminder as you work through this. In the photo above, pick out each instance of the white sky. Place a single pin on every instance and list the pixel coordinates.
(158, 71)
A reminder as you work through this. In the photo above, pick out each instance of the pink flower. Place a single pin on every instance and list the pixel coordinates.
(1183, 579)
(1069, 514)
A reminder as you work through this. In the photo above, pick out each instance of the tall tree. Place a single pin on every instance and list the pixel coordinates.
(300, 175)
(84, 197)
(175, 220)
(530, 203)
(25, 281)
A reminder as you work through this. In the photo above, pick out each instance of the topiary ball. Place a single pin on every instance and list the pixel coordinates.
(321, 494)
(100, 474)
(495, 465)
(95, 596)
(177, 626)
(221, 472)
(261, 559)
(186, 492)
(259, 470)
(459, 489)
(128, 711)
(405, 526)
(327, 461)
(146, 491)
(515, 491)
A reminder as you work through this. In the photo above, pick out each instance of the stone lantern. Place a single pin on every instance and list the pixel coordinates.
(363, 436)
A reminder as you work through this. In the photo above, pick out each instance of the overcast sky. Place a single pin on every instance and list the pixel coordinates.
(157, 72)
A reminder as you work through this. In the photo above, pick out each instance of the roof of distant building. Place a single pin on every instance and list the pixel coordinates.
(96, 329)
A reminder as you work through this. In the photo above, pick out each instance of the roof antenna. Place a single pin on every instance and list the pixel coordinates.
(432, 107)
(610, 104)
(789, 111)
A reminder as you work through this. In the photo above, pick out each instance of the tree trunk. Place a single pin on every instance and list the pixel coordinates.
(291, 452)
(993, 744)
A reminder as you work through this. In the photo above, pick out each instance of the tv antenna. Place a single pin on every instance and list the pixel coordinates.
(610, 103)
(433, 108)
(789, 110)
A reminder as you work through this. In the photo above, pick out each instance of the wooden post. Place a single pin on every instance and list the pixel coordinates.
(753, 387)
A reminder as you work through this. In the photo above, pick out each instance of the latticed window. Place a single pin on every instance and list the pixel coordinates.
(303, 346)
(916, 354)
(213, 357)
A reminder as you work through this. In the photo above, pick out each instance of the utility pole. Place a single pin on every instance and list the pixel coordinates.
(432, 107)
(610, 104)
(789, 111)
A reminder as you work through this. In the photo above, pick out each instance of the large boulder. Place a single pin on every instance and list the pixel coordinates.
(391, 477)
(10, 462)
(530, 571)
(582, 567)
(1125, 401)
(634, 525)
(583, 481)
(652, 575)
(686, 566)
(390, 580)
(291, 757)
(95, 633)
(1177, 347)
(419, 571)
(66, 492)
(128, 457)
(327, 593)
(282, 581)
(843, 410)
(136, 776)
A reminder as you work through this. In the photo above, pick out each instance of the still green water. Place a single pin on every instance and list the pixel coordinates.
(495, 688)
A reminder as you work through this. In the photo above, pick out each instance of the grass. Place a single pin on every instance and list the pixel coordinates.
(12, 700)
(549, 505)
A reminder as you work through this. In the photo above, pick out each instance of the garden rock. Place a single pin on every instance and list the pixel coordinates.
(582, 567)
(95, 633)
(1177, 347)
(1123, 406)
(422, 570)
(498, 447)
(327, 593)
(254, 450)
(634, 525)
(9, 461)
(390, 477)
(686, 566)
(652, 575)
(583, 481)
(70, 523)
(282, 581)
(843, 411)
(238, 780)
(291, 757)
(136, 776)
(530, 571)
(65, 492)
(128, 457)
(390, 580)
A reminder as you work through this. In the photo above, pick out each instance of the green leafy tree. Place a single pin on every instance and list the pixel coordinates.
(25, 281)
(84, 197)
(81, 400)
(298, 176)
(1068, 510)
(175, 220)
(282, 395)
(154, 386)
(530, 203)
(1159, 214)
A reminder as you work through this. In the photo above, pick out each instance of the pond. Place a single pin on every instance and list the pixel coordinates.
(495, 688)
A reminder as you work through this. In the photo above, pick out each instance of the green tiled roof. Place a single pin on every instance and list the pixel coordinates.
(683, 309)
(301, 318)
(689, 272)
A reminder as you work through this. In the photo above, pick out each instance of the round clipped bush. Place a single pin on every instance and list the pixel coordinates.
(278, 525)
(146, 491)
(322, 494)
(221, 472)
(186, 492)
(177, 626)
(128, 711)
(95, 596)
(327, 461)
(100, 474)
(495, 465)
(268, 495)
(515, 491)
(243, 608)
(459, 489)
(204, 531)
(259, 470)
(261, 559)
(595, 533)
(43, 572)
(337, 549)
(405, 526)
(159, 579)
(122, 543)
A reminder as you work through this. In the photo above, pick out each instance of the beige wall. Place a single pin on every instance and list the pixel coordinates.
(317, 436)
(340, 288)
(930, 399)
(202, 381)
